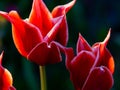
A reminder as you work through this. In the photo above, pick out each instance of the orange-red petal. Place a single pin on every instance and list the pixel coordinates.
(25, 35)
(105, 57)
(6, 79)
(41, 17)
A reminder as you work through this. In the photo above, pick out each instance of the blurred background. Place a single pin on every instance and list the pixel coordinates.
(92, 18)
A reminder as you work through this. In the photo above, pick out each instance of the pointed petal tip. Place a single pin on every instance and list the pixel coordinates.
(62, 9)
(8, 15)
(72, 2)
(13, 13)
(1, 56)
(80, 36)
(107, 38)
(4, 15)
(82, 44)
(69, 5)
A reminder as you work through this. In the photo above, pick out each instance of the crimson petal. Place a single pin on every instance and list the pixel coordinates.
(69, 52)
(12, 88)
(44, 54)
(80, 67)
(82, 44)
(100, 78)
(60, 10)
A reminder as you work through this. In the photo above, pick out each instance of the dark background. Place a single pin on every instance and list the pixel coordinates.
(92, 18)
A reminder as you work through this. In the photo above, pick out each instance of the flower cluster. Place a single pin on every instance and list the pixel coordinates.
(92, 67)
(44, 35)
(34, 37)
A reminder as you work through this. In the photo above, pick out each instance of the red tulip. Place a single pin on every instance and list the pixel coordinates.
(34, 37)
(92, 67)
(6, 80)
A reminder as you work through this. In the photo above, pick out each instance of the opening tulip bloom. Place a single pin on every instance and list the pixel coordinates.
(6, 80)
(34, 37)
(92, 67)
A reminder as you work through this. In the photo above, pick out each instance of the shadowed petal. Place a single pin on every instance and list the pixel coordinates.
(100, 78)
(55, 29)
(69, 52)
(40, 16)
(62, 36)
(80, 67)
(44, 54)
(12, 88)
(82, 44)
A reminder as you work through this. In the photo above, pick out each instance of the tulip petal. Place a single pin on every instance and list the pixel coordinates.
(44, 54)
(41, 17)
(105, 58)
(82, 44)
(62, 35)
(53, 32)
(1, 56)
(62, 9)
(6, 80)
(23, 33)
(105, 42)
(12, 88)
(100, 78)
(80, 67)
(69, 52)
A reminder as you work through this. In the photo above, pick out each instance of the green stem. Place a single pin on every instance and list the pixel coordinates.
(43, 77)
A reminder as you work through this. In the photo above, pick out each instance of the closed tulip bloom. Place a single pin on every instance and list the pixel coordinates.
(92, 67)
(6, 80)
(34, 37)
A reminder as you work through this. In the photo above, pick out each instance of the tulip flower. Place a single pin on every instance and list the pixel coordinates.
(34, 37)
(92, 67)
(6, 80)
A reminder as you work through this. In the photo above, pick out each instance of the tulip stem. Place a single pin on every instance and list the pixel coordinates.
(43, 77)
